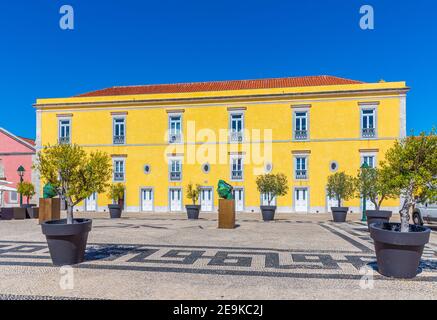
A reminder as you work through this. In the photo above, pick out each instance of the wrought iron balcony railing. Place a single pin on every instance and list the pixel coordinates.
(237, 175)
(174, 138)
(64, 140)
(118, 176)
(368, 133)
(118, 139)
(301, 134)
(301, 174)
(236, 136)
(175, 176)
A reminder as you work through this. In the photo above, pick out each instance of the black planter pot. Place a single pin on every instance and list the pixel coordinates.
(339, 213)
(7, 213)
(268, 212)
(31, 211)
(115, 211)
(67, 242)
(193, 212)
(398, 253)
(376, 216)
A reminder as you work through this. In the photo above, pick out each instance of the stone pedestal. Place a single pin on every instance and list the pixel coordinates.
(226, 216)
(49, 209)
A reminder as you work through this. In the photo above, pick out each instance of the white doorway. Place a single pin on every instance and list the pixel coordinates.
(206, 201)
(265, 200)
(91, 203)
(175, 199)
(147, 200)
(301, 200)
(331, 203)
(239, 199)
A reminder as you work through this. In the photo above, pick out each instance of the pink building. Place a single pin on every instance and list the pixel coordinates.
(15, 152)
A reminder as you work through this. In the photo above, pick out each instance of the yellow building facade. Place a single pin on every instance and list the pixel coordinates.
(163, 137)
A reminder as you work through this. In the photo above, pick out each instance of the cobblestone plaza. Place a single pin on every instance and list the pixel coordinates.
(165, 256)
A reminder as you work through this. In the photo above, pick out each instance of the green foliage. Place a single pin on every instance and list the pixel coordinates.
(341, 187)
(224, 190)
(73, 173)
(49, 192)
(193, 193)
(412, 166)
(26, 189)
(273, 185)
(116, 192)
(374, 184)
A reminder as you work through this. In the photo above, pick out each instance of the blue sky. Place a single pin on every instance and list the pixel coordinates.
(134, 42)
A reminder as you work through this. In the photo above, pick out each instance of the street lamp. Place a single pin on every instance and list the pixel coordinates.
(364, 216)
(20, 172)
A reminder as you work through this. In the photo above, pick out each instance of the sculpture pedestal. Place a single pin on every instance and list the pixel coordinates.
(49, 209)
(226, 216)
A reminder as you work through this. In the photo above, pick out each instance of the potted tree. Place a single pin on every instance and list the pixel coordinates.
(272, 185)
(75, 175)
(341, 187)
(26, 189)
(193, 209)
(375, 184)
(116, 193)
(412, 163)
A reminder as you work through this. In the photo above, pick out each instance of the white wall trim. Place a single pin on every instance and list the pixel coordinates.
(403, 116)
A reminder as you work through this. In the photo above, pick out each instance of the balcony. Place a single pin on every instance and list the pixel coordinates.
(301, 175)
(64, 140)
(118, 176)
(236, 136)
(301, 134)
(368, 133)
(237, 175)
(174, 138)
(175, 176)
(118, 139)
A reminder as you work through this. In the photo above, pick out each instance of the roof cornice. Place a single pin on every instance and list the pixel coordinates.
(234, 98)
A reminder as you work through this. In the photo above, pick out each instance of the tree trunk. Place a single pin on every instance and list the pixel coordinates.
(70, 213)
(405, 219)
(339, 202)
(405, 215)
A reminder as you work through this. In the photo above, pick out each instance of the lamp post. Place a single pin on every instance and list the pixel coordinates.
(21, 171)
(364, 216)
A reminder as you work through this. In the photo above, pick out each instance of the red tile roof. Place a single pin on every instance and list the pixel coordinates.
(29, 141)
(222, 86)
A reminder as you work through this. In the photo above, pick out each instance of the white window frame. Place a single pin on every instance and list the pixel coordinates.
(306, 165)
(61, 126)
(367, 155)
(236, 136)
(179, 135)
(10, 197)
(232, 159)
(307, 120)
(114, 166)
(114, 128)
(170, 168)
(375, 120)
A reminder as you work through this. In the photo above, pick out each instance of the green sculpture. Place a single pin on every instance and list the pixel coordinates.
(49, 191)
(225, 190)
